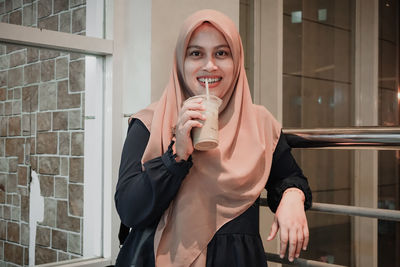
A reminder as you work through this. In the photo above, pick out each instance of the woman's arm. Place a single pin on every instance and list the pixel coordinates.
(288, 196)
(144, 192)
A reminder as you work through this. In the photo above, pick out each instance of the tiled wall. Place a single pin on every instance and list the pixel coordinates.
(41, 116)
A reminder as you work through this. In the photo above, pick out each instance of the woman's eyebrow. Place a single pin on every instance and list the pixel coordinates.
(194, 46)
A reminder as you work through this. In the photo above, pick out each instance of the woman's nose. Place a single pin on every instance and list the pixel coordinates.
(210, 65)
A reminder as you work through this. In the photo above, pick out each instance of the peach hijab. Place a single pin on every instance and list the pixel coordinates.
(223, 182)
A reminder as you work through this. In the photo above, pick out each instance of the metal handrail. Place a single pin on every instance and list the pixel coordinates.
(377, 138)
(382, 214)
(299, 261)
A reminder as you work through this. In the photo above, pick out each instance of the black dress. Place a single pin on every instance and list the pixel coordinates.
(143, 195)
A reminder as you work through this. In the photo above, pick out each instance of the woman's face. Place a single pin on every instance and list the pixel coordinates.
(208, 57)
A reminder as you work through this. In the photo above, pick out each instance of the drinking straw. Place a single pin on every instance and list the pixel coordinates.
(207, 91)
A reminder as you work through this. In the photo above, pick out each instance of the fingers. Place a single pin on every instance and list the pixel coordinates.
(292, 244)
(300, 240)
(306, 237)
(284, 241)
(274, 230)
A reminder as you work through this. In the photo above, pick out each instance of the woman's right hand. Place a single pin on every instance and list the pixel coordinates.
(187, 119)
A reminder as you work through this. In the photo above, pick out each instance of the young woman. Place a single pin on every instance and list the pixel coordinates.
(200, 208)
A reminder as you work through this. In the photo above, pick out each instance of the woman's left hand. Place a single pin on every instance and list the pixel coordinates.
(290, 217)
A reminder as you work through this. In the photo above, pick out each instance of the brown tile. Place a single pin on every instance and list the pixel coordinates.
(14, 126)
(4, 62)
(34, 162)
(2, 147)
(30, 98)
(61, 68)
(17, 4)
(46, 143)
(22, 175)
(15, 77)
(49, 23)
(3, 92)
(8, 5)
(26, 256)
(3, 230)
(7, 212)
(3, 126)
(46, 185)
(77, 75)
(3, 164)
(9, 199)
(44, 121)
(62, 256)
(32, 73)
(17, 93)
(12, 164)
(49, 217)
(47, 96)
(60, 5)
(25, 208)
(29, 15)
(65, 22)
(24, 234)
(16, 200)
(28, 125)
(61, 187)
(32, 54)
(15, 147)
(22, 191)
(74, 243)
(59, 240)
(44, 8)
(73, 3)
(43, 236)
(78, 20)
(16, 107)
(2, 196)
(13, 253)
(60, 120)
(48, 54)
(3, 78)
(13, 232)
(5, 18)
(74, 120)
(16, 17)
(64, 221)
(77, 143)
(66, 100)
(76, 199)
(15, 213)
(12, 183)
(76, 170)
(63, 145)
(49, 165)
(18, 58)
(3, 182)
(44, 255)
(11, 48)
(47, 70)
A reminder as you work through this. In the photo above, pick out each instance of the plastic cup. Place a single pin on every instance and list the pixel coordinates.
(206, 137)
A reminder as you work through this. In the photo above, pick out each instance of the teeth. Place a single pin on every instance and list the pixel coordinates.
(210, 80)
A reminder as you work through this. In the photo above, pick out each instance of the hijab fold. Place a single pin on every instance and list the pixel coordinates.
(223, 182)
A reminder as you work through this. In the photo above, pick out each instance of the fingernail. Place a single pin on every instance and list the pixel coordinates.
(297, 255)
(305, 248)
(291, 259)
(281, 256)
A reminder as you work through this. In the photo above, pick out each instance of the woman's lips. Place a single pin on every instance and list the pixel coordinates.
(212, 81)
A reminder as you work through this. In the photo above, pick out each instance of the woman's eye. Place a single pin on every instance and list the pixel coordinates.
(194, 53)
(222, 53)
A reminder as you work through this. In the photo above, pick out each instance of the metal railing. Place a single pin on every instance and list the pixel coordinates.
(374, 138)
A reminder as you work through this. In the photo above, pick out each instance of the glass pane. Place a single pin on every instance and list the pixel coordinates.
(54, 15)
(318, 92)
(388, 165)
(42, 130)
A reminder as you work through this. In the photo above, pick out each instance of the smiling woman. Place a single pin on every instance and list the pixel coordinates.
(197, 208)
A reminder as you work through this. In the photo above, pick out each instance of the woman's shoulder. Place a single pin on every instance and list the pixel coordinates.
(265, 115)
